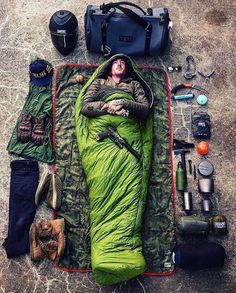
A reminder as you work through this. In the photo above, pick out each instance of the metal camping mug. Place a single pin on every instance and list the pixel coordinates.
(206, 185)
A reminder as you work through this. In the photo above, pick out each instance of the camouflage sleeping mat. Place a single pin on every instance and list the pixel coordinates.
(158, 223)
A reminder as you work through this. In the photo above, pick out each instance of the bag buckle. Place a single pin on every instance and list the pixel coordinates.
(148, 27)
(170, 25)
(162, 17)
(105, 50)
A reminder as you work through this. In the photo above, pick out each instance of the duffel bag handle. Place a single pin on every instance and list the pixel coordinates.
(106, 7)
(131, 14)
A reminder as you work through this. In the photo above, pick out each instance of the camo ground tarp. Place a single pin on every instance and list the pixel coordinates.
(158, 222)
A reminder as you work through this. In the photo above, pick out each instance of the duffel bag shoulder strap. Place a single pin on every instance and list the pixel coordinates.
(131, 14)
(106, 7)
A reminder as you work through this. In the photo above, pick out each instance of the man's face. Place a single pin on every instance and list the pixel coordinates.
(118, 68)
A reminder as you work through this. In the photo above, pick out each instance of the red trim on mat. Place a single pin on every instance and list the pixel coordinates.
(153, 274)
(149, 67)
(81, 65)
(70, 270)
(171, 156)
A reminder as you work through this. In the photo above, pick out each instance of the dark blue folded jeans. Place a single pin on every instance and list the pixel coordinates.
(22, 208)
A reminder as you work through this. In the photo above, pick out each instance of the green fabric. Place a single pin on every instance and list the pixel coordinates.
(158, 226)
(38, 102)
(117, 184)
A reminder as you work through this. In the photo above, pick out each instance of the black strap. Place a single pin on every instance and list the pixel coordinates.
(104, 48)
(148, 40)
(131, 14)
(106, 7)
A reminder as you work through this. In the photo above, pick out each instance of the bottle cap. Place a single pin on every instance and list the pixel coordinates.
(202, 100)
(180, 165)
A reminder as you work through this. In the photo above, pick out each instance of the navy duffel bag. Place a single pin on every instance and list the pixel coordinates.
(113, 28)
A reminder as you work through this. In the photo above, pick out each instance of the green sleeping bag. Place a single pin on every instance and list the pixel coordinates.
(117, 183)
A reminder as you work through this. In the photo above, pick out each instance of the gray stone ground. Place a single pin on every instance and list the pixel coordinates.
(204, 29)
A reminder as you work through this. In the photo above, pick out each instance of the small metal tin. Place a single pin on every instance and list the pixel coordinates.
(206, 205)
(205, 168)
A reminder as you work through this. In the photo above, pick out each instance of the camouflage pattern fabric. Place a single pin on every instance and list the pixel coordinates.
(38, 103)
(158, 232)
(158, 225)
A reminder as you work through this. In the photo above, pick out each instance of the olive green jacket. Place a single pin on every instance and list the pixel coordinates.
(92, 104)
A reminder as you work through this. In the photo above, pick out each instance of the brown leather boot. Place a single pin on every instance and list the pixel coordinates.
(47, 240)
(37, 136)
(36, 251)
(58, 230)
(24, 128)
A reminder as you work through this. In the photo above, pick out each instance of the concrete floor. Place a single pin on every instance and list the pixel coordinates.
(201, 28)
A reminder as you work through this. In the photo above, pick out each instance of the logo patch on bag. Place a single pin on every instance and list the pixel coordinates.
(220, 225)
(126, 39)
(167, 265)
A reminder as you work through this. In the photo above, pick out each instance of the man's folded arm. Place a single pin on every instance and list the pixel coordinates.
(140, 107)
(91, 107)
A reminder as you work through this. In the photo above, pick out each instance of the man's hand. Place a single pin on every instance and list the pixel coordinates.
(111, 108)
(115, 107)
(122, 112)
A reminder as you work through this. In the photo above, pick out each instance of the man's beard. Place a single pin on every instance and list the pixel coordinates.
(120, 71)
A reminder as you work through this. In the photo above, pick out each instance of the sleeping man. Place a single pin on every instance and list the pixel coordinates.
(117, 97)
(93, 105)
